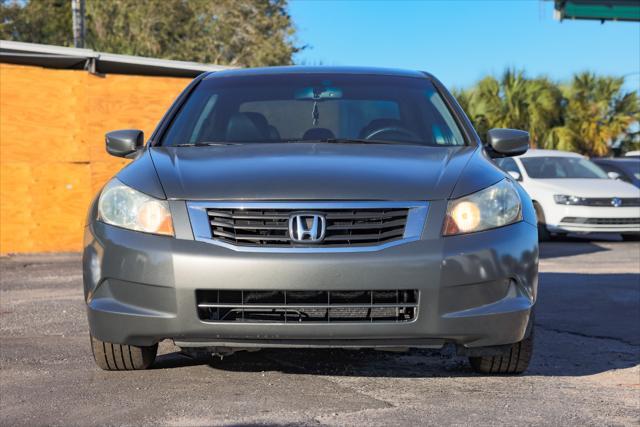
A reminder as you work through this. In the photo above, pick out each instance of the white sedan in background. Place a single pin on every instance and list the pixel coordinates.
(573, 195)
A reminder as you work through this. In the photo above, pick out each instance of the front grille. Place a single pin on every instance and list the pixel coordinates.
(601, 221)
(270, 227)
(280, 306)
(609, 201)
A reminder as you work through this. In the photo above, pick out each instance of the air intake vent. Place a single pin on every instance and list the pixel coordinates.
(307, 306)
(601, 221)
(608, 201)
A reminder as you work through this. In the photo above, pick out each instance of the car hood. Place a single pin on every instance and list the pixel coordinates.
(309, 171)
(589, 187)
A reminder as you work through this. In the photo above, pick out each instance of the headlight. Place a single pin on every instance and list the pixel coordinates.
(125, 207)
(563, 199)
(492, 207)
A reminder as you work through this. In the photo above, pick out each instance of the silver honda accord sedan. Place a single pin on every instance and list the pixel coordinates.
(312, 207)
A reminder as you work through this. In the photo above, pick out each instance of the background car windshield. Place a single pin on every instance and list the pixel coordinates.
(283, 108)
(631, 168)
(561, 167)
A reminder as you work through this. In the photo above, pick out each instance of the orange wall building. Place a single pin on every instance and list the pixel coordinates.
(52, 154)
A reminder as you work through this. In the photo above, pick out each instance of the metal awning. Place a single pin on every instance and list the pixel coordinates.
(600, 10)
(49, 56)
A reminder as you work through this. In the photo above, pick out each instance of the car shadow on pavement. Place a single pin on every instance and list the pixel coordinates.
(586, 324)
(569, 246)
(415, 363)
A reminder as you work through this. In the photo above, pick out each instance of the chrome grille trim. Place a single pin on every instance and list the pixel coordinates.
(201, 222)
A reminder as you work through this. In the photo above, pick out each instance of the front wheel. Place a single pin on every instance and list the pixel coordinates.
(121, 357)
(516, 362)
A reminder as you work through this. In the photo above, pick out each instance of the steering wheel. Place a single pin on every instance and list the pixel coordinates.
(393, 130)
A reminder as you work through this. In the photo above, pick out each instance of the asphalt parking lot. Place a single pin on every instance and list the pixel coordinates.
(585, 368)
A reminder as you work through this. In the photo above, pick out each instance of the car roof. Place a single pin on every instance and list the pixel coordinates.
(550, 153)
(297, 69)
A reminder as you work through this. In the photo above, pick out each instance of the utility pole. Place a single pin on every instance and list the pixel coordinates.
(77, 13)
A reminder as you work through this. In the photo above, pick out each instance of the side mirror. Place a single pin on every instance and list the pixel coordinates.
(507, 142)
(515, 175)
(613, 175)
(124, 143)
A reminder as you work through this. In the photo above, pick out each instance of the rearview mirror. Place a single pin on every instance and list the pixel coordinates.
(613, 175)
(124, 143)
(318, 93)
(507, 142)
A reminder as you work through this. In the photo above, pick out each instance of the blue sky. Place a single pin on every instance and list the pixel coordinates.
(462, 40)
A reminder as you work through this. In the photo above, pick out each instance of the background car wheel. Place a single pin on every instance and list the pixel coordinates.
(543, 233)
(631, 237)
(516, 362)
(119, 357)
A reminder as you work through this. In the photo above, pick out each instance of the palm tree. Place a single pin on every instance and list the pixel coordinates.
(516, 102)
(596, 111)
(504, 102)
(544, 109)
(463, 97)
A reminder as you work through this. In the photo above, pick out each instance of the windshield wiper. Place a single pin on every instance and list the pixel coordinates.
(324, 140)
(205, 144)
(355, 141)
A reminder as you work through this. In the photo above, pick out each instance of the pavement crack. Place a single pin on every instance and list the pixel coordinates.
(323, 419)
(332, 379)
(583, 335)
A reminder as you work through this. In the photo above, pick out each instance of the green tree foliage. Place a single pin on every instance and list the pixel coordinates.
(585, 116)
(596, 111)
(225, 32)
(39, 21)
(515, 101)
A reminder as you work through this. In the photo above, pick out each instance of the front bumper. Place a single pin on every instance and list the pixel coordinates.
(593, 219)
(475, 290)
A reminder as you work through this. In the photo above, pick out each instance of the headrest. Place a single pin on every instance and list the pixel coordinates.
(259, 120)
(242, 127)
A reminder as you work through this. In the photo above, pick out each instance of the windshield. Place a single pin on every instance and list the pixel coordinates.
(631, 168)
(313, 107)
(561, 167)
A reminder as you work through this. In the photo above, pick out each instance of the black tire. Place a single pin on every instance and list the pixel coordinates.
(120, 357)
(516, 362)
(631, 237)
(543, 233)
